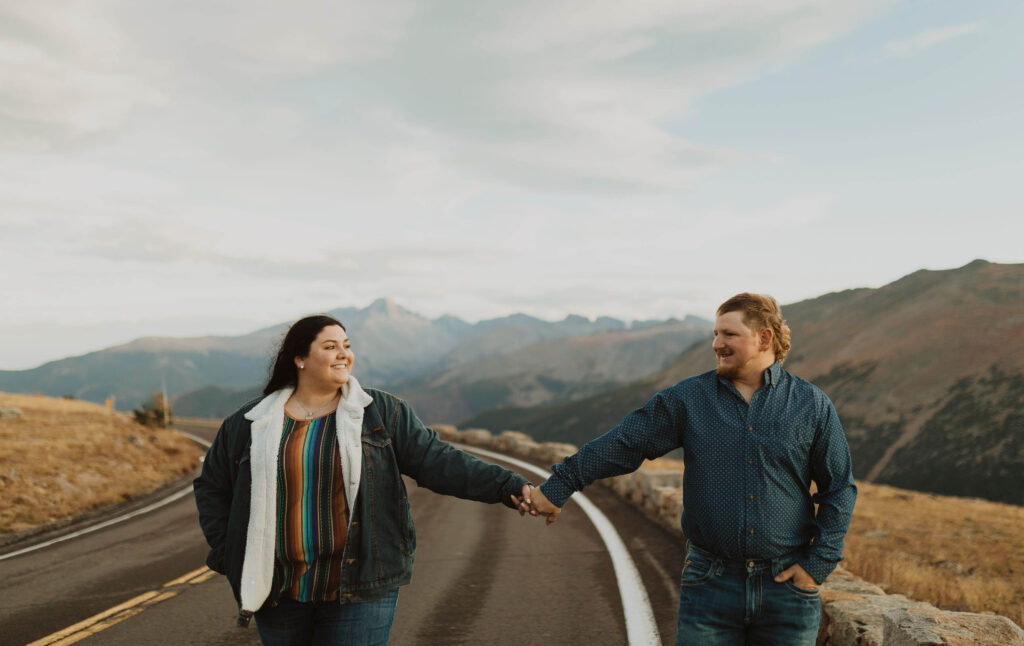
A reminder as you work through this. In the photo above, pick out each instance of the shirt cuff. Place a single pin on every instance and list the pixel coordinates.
(557, 490)
(817, 567)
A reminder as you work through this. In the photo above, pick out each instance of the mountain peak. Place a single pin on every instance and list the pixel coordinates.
(382, 305)
(388, 308)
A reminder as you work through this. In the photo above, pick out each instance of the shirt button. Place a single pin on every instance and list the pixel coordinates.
(750, 428)
(750, 461)
(750, 564)
(751, 496)
(751, 532)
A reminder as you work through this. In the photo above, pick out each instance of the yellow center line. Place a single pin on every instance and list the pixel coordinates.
(186, 577)
(126, 610)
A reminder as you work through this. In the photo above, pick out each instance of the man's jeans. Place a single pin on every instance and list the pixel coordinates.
(724, 603)
(294, 623)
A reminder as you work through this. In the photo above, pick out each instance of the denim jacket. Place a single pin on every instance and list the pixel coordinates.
(381, 542)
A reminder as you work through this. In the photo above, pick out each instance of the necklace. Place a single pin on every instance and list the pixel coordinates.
(311, 413)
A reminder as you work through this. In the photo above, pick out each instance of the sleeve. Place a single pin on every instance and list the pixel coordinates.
(441, 467)
(213, 491)
(647, 433)
(832, 471)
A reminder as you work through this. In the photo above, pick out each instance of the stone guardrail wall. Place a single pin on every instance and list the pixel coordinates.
(854, 612)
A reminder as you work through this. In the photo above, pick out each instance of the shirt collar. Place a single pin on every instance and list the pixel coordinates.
(772, 375)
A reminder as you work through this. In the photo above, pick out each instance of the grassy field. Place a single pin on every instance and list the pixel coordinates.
(957, 553)
(65, 457)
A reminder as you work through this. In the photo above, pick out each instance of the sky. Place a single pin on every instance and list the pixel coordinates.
(194, 168)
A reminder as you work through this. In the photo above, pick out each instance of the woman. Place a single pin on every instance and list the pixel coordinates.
(302, 501)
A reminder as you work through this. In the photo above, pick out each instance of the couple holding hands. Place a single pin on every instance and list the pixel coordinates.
(302, 502)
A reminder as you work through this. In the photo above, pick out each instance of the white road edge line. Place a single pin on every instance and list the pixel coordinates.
(641, 627)
(113, 521)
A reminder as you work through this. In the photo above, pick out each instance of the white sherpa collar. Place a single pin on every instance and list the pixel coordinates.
(267, 419)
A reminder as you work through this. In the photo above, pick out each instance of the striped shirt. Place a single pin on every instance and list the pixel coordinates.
(312, 511)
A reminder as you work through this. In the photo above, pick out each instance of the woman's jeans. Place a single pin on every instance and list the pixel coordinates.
(726, 603)
(294, 623)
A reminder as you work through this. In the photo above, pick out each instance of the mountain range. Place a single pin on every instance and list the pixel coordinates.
(927, 375)
(927, 372)
(211, 376)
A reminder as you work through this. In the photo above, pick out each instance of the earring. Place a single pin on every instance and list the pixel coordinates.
(302, 366)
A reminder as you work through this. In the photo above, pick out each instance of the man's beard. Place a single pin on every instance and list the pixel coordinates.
(728, 371)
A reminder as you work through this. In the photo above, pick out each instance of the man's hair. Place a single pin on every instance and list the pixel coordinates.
(760, 311)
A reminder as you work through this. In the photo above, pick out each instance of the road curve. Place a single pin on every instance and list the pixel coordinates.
(483, 575)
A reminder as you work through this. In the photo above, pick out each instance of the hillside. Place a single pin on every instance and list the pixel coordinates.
(563, 369)
(61, 458)
(927, 374)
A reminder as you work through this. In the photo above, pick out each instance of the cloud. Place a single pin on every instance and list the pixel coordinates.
(64, 72)
(924, 40)
(165, 242)
(398, 95)
(563, 97)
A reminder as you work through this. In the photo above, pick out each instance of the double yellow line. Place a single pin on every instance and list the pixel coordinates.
(128, 609)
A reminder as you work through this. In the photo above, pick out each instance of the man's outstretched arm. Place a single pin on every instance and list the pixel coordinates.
(647, 433)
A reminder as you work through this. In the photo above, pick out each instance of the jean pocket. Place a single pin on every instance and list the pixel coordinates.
(696, 571)
(803, 592)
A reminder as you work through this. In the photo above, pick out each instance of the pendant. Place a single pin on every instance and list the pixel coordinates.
(309, 415)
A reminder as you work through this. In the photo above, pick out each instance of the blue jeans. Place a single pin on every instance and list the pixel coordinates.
(724, 603)
(295, 623)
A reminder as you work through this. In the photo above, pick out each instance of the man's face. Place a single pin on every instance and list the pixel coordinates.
(736, 346)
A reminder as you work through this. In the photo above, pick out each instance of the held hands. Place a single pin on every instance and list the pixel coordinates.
(799, 575)
(535, 503)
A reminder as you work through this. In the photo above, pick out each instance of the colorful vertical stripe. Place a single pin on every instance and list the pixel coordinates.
(312, 514)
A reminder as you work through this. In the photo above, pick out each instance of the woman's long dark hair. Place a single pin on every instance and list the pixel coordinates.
(296, 343)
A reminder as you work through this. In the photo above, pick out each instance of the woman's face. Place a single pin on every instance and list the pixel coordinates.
(330, 358)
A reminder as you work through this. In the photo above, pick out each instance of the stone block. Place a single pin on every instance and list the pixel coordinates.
(843, 582)
(446, 432)
(670, 508)
(851, 619)
(650, 479)
(506, 440)
(524, 448)
(475, 437)
(548, 453)
(925, 626)
(621, 485)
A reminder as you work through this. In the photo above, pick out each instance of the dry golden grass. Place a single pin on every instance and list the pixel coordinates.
(65, 457)
(957, 553)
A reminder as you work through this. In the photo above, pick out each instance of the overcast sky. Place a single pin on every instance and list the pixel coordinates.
(214, 167)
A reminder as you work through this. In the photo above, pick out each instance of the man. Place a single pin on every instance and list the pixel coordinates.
(754, 437)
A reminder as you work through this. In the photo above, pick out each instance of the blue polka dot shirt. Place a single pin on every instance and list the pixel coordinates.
(749, 467)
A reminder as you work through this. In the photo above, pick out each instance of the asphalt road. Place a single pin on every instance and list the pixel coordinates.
(483, 575)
